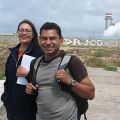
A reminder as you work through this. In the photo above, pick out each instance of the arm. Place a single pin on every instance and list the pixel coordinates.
(83, 86)
(85, 89)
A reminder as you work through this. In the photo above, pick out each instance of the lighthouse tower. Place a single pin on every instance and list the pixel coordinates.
(108, 20)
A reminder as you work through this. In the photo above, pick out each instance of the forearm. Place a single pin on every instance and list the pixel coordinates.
(84, 90)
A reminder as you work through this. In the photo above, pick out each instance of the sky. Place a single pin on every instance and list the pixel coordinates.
(75, 17)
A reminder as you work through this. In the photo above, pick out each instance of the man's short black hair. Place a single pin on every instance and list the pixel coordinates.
(51, 26)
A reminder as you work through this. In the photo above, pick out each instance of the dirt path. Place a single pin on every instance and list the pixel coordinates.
(106, 105)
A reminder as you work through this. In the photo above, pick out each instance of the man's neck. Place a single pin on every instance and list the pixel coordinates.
(50, 57)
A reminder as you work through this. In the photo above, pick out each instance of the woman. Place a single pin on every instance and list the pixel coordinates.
(18, 104)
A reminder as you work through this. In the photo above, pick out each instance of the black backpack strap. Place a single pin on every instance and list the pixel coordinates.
(79, 116)
(85, 117)
(34, 70)
(29, 77)
(64, 62)
(63, 65)
(37, 63)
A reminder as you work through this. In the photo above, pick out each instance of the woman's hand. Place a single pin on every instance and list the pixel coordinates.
(21, 72)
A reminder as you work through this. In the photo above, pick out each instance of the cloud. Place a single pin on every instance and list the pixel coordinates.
(76, 17)
(113, 30)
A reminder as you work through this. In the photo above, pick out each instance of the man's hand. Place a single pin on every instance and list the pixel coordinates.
(30, 88)
(63, 76)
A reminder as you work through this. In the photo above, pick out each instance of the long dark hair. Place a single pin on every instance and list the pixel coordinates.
(35, 34)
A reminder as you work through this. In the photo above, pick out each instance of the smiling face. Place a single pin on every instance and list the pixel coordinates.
(50, 42)
(25, 33)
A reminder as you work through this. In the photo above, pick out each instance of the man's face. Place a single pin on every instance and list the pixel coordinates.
(50, 42)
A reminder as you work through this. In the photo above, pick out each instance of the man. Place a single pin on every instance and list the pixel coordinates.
(52, 102)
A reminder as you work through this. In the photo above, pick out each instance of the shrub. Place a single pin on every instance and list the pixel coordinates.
(1, 76)
(101, 53)
(95, 62)
(116, 63)
(110, 68)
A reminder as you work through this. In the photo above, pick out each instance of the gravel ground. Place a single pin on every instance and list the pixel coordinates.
(106, 104)
(2, 113)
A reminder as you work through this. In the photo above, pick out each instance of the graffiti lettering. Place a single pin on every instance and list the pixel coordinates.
(78, 42)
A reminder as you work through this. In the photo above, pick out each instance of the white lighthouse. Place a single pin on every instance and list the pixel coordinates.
(108, 20)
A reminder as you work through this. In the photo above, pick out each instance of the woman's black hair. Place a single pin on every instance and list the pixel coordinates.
(35, 34)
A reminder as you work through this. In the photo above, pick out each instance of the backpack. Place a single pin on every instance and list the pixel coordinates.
(82, 103)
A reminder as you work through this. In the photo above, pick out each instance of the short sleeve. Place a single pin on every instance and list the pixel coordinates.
(77, 68)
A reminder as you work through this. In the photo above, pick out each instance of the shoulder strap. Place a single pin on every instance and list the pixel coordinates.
(64, 87)
(65, 61)
(34, 72)
(37, 63)
(63, 65)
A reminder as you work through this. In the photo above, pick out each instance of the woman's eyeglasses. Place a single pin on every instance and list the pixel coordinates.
(27, 31)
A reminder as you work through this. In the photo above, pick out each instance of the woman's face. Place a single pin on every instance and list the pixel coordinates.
(25, 33)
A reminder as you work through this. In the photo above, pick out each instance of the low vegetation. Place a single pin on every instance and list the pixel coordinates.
(110, 68)
(95, 62)
(102, 57)
(107, 58)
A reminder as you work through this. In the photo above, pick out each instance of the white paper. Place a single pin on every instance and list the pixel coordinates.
(26, 60)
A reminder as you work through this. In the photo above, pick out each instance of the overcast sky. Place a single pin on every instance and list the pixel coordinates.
(76, 17)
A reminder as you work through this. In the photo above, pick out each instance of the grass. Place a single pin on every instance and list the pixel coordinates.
(95, 62)
(116, 63)
(102, 53)
(1, 76)
(111, 68)
(101, 57)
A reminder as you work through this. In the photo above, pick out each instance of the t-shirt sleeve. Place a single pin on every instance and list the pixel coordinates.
(77, 68)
